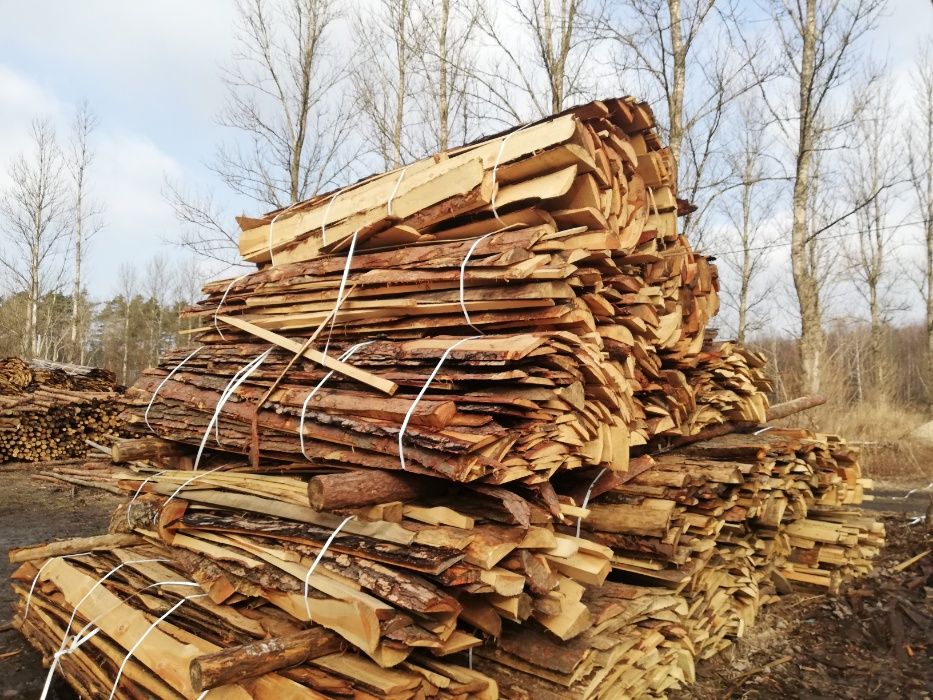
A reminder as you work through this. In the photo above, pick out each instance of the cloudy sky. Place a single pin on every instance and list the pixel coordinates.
(151, 72)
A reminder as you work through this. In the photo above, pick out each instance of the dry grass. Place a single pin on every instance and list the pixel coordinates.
(883, 432)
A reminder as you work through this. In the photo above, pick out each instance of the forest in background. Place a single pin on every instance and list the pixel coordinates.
(811, 167)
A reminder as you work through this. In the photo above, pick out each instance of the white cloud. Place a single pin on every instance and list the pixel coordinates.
(126, 178)
(21, 99)
(145, 50)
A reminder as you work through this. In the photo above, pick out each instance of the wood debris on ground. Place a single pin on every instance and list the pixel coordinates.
(49, 410)
(463, 434)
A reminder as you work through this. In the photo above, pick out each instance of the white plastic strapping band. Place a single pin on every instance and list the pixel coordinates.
(189, 481)
(222, 300)
(138, 491)
(39, 573)
(466, 314)
(495, 172)
(304, 406)
(654, 203)
(912, 492)
(327, 214)
(99, 582)
(234, 384)
(135, 593)
(586, 498)
(161, 618)
(414, 404)
(162, 383)
(395, 191)
(236, 380)
(271, 226)
(76, 643)
(318, 558)
(61, 649)
(343, 284)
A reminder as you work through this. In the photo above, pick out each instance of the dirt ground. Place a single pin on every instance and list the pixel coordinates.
(31, 512)
(873, 641)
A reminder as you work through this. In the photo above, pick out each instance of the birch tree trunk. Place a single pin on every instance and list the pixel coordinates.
(33, 209)
(79, 161)
(812, 339)
(920, 161)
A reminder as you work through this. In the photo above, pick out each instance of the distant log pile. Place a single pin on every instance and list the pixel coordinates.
(48, 411)
(463, 434)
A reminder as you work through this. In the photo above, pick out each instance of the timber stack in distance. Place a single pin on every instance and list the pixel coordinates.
(462, 434)
(49, 410)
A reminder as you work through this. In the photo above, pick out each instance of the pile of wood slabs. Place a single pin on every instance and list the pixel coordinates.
(463, 433)
(49, 410)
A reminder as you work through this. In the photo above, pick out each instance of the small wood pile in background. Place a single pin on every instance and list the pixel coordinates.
(48, 411)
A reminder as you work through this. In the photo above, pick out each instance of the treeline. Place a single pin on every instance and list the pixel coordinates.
(125, 333)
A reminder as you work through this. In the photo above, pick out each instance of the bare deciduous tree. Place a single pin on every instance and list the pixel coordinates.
(748, 205)
(127, 288)
(85, 221)
(872, 171)
(157, 288)
(542, 61)
(446, 68)
(683, 55)
(34, 211)
(920, 162)
(285, 108)
(819, 41)
(389, 40)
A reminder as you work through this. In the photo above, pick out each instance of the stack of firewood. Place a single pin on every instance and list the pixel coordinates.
(463, 434)
(49, 411)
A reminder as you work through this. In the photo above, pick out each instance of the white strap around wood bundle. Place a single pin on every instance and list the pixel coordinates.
(398, 182)
(340, 290)
(495, 171)
(191, 481)
(123, 601)
(162, 383)
(139, 490)
(318, 558)
(161, 618)
(222, 300)
(35, 578)
(304, 406)
(272, 225)
(463, 265)
(327, 214)
(654, 203)
(241, 376)
(586, 498)
(76, 643)
(414, 404)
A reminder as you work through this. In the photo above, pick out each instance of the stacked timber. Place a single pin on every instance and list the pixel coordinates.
(404, 571)
(462, 434)
(48, 411)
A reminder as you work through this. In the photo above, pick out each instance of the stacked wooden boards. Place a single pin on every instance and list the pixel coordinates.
(712, 526)
(625, 609)
(465, 389)
(48, 410)
(502, 312)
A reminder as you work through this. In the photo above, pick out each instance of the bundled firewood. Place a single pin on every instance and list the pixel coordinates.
(463, 433)
(122, 592)
(49, 411)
